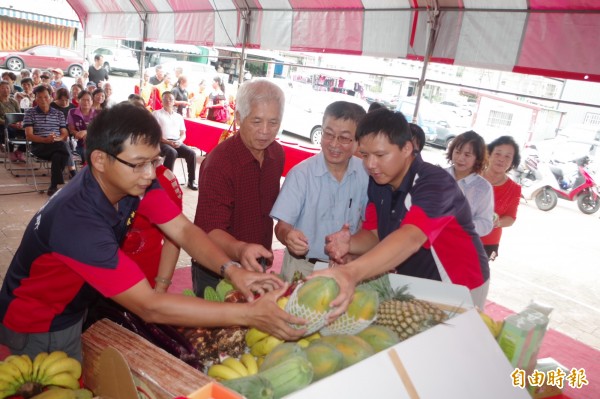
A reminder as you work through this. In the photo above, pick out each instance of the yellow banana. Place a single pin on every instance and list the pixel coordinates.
(312, 337)
(250, 362)
(303, 343)
(5, 393)
(11, 371)
(8, 388)
(64, 379)
(37, 362)
(265, 346)
(282, 301)
(23, 363)
(65, 365)
(254, 335)
(51, 358)
(221, 372)
(235, 364)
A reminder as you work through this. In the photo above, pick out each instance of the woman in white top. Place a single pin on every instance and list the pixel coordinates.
(468, 156)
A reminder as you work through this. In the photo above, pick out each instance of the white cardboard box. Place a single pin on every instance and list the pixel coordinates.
(457, 359)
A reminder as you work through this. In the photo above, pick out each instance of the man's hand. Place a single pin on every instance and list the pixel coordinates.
(250, 255)
(296, 242)
(176, 143)
(337, 245)
(250, 282)
(268, 317)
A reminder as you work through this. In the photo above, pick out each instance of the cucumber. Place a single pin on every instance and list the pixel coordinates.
(252, 387)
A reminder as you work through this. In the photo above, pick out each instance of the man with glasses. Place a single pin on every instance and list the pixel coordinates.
(323, 193)
(70, 254)
(46, 128)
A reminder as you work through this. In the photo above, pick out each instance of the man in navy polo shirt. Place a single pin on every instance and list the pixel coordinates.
(70, 250)
(46, 128)
(424, 226)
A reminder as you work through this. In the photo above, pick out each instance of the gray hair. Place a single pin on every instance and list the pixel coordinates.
(257, 91)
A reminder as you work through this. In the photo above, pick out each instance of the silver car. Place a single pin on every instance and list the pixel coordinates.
(117, 60)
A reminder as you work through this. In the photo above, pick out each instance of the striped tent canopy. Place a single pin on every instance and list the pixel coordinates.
(543, 37)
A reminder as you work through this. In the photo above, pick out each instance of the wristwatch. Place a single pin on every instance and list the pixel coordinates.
(225, 265)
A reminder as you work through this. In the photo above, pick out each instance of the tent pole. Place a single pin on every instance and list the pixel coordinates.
(433, 31)
(143, 53)
(246, 18)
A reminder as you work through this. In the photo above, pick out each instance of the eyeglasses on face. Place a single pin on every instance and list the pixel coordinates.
(341, 139)
(141, 167)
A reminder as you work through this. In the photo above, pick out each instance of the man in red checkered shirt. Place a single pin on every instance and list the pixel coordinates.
(239, 183)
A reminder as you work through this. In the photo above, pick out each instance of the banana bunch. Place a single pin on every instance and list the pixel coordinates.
(19, 374)
(493, 325)
(261, 343)
(231, 368)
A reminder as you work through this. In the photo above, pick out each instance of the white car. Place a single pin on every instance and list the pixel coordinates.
(304, 110)
(117, 60)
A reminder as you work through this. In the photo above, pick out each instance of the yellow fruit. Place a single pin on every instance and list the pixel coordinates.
(37, 362)
(64, 379)
(379, 337)
(68, 365)
(250, 363)
(265, 346)
(364, 304)
(303, 343)
(236, 365)
(325, 359)
(353, 348)
(316, 294)
(282, 301)
(312, 337)
(220, 372)
(254, 335)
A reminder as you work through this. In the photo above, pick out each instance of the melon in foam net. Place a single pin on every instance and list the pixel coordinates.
(311, 301)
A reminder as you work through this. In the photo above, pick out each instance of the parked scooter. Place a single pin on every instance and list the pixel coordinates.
(546, 182)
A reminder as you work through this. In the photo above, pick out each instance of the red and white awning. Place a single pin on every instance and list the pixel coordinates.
(544, 37)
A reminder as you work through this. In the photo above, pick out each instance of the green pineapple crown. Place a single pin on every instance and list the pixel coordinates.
(385, 290)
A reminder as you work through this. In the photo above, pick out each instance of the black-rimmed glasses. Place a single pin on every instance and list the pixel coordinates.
(341, 139)
(141, 167)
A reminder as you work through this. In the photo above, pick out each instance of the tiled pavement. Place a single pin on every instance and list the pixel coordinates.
(511, 286)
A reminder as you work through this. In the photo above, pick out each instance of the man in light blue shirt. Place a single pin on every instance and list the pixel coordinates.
(323, 193)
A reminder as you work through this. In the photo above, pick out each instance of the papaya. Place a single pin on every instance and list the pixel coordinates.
(316, 294)
(379, 337)
(353, 348)
(325, 359)
(280, 353)
(290, 375)
(364, 304)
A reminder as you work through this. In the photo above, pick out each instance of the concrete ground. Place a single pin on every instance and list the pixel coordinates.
(550, 257)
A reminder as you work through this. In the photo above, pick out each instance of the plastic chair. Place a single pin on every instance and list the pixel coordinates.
(34, 167)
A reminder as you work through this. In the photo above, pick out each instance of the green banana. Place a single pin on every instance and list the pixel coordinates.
(10, 370)
(37, 362)
(51, 358)
(64, 379)
(68, 365)
(5, 393)
(23, 363)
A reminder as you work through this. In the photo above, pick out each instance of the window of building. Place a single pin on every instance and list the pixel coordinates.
(499, 119)
(591, 119)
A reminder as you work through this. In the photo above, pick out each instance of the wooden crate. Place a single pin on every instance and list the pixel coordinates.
(160, 372)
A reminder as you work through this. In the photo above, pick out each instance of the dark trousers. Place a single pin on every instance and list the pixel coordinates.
(202, 278)
(183, 151)
(58, 154)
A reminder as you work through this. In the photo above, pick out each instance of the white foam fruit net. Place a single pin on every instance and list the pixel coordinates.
(346, 324)
(315, 320)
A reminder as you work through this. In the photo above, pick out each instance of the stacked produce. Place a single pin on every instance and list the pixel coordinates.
(49, 375)
(377, 318)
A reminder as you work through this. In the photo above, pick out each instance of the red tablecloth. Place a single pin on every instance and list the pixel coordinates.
(205, 134)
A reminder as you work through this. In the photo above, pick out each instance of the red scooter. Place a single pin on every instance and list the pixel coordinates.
(577, 186)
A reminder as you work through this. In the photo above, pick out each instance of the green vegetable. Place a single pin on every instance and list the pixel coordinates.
(252, 387)
(188, 292)
(223, 288)
(289, 376)
(210, 294)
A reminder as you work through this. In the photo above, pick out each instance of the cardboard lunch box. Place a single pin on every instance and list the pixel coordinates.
(456, 359)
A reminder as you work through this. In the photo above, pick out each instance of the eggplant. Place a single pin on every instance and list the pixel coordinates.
(162, 340)
(178, 337)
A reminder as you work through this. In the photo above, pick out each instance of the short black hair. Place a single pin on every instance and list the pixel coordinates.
(418, 136)
(392, 125)
(479, 148)
(125, 121)
(506, 140)
(26, 80)
(375, 105)
(41, 88)
(345, 110)
(62, 92)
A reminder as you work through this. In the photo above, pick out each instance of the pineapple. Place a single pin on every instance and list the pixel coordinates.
(401, 312)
